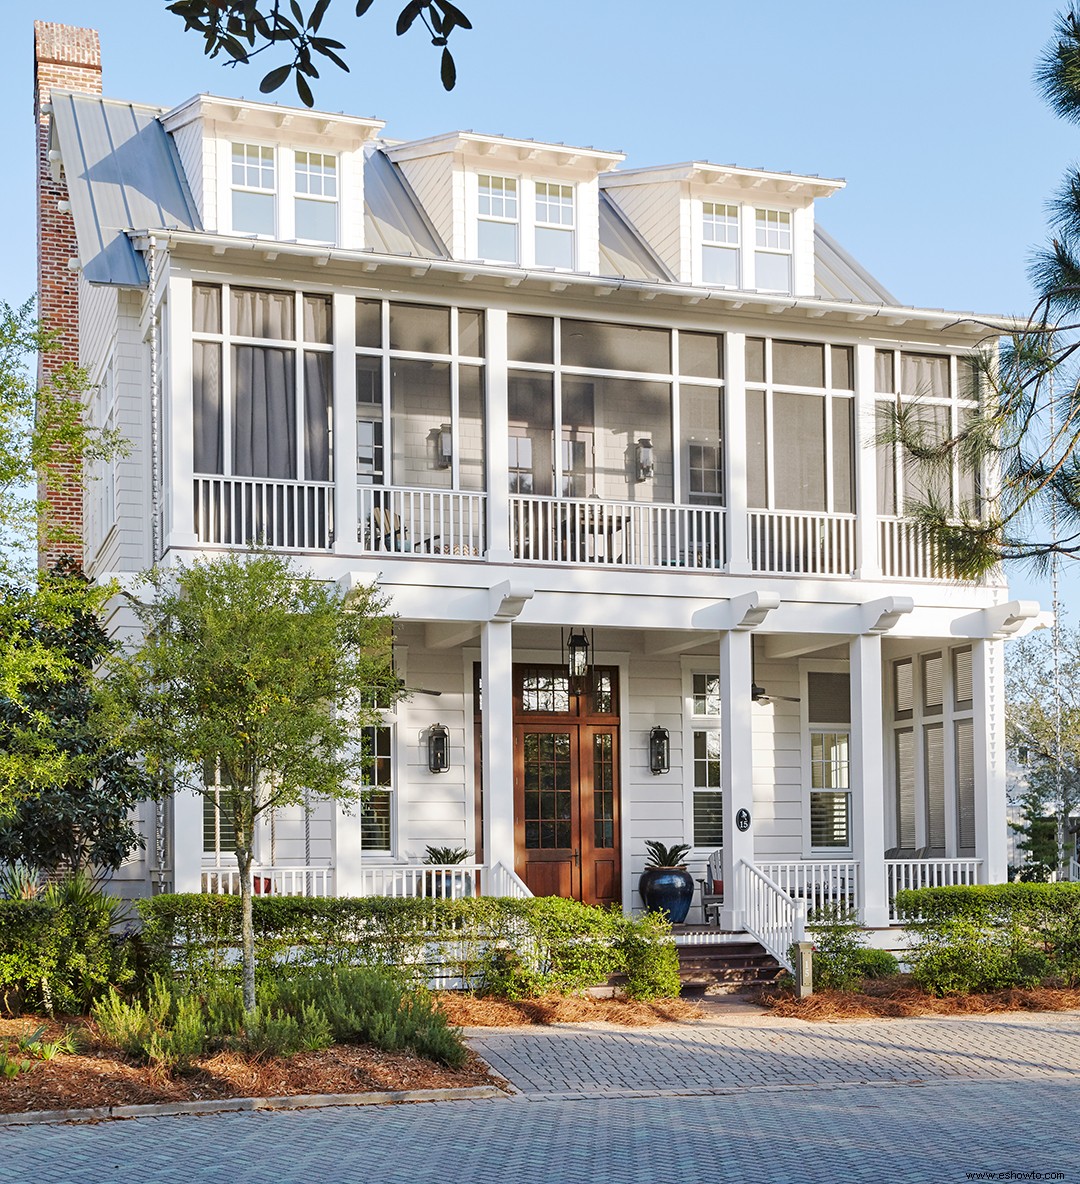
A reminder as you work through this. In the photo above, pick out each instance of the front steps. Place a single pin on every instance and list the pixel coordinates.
(711, 962)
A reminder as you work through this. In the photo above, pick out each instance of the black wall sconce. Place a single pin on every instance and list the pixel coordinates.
(659, 750)
(438, 748)
(577, 654)
(444, 446)
(645, 464)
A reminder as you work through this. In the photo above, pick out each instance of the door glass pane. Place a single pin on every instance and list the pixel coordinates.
(548, 805)
(603, 790)
(545, 688)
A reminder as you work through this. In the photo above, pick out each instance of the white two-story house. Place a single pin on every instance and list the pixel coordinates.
(605, 436)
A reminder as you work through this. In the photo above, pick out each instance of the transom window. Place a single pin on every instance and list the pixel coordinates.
(316, 184)
(497, 209)
(554, 224)
(772, 256)
(254, 187)
(720, 244)
(705, 767)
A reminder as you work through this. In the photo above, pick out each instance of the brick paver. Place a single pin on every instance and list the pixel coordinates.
(910, 1101)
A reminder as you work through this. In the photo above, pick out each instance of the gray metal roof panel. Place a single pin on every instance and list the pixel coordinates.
(123, 172)
(394, 221)
(623, 251)
(838, 276)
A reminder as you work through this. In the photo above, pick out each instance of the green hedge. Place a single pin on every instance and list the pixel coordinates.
(989, 937)
(57, 958)
(555, 944)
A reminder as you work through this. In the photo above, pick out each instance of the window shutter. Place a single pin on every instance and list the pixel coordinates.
(965, 785)
(905, 787)
(903, 689)
(962, 678)
(932, 673)
(934, 743)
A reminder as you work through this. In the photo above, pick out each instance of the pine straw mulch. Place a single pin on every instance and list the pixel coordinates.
(896, 998)
(471, 1011)
(99, 1075)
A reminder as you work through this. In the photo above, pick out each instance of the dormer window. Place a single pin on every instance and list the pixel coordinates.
(772, 256)
(254, 189)
(720, 244)
(316, 186)
(554, 225)
(497, 226)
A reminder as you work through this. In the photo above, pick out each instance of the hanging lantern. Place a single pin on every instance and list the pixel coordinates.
(577, 655)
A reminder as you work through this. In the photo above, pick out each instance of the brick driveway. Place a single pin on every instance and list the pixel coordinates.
(921, 1101)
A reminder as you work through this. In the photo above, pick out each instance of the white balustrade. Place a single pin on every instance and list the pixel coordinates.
(446, 882)
(504, 881)
(1074, 870)
(271, 881)
(770, 914)
(787, 543)
(620, 534)
(822, 884)
(241, 511)
(927, 873)
(909, 553)
(427, 522)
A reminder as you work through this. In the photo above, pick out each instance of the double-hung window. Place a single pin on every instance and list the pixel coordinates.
(773, 251)
(829, 717)
(376, 811)
(497, 218)
(254, 189)
(316, 188)
(554, 224)
(219, 831)
(720, 244)
(706, 783)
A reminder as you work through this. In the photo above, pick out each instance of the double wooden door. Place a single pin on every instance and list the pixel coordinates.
(566, 789)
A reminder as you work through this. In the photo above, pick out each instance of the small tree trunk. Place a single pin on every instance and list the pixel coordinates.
(247, 928)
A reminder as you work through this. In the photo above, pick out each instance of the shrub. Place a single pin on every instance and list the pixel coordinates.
(650, 958)
(959, 956)
(877, 963)
(838, 950)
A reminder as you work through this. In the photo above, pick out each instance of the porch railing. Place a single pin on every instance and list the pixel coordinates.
(271, 881)
(421, 521)
(909, 553)
(802, 544)
(1074, 870)
(450, 882)
(239, 511)
(822, 885)
(926, 873)
(619, 534)
(504, 881)
(770, 914)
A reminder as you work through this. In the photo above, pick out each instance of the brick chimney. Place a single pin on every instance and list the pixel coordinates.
(67, 58)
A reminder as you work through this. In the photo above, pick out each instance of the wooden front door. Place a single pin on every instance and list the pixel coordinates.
(566, 795)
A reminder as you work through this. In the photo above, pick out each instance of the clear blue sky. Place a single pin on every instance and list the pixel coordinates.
(925, 107)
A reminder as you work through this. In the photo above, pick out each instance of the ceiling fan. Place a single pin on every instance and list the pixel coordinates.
(757, 692)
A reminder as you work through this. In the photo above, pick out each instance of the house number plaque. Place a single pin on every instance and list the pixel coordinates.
(742, 819)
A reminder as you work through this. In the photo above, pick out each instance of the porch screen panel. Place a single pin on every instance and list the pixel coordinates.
(530, 339)
(702, 455)
(934, 756)
(843, 455)
(885, 454)
(799, 449)
(756, 452)
(798, 363)
(370, 457)
(256, 313)
(928, 481)
(471, 428)
(964, 732)
(701, 355)
(419, 407)
(905, 789)
(924, 375)
(420, 328)
(531, 411)
(318, 320)
(603, 422)
(209, 443)
(318, 401)
(600, 346)
(206, 308)
(264, 426)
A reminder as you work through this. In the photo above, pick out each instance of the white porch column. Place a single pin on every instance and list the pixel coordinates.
(735, 454)
(867, 777)
(178, 422)
(347, 859)
(737, 773)
(497, 728)
(344, 459)
(497, 446)
(187, 844)
(988, 689)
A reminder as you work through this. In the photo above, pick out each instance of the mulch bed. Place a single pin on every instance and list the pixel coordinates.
(470, 1011)
(102, 1076)
(896, 998)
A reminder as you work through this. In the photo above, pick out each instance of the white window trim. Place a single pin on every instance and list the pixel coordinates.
(230, 187)
(101, 488)
(317, 197)
(824, 854)
(703, 245)
(475, 217)
(753, 250)
(571, 228)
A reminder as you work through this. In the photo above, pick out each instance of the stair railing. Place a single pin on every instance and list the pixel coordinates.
(772, 917)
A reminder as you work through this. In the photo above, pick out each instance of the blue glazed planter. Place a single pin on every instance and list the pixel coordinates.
(667, 890)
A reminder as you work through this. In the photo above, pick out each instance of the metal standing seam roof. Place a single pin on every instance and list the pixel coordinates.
(394, 221)
(123, 172)
(623, 252)
(838, 276)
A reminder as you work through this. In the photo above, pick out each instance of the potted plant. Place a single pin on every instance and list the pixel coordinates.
(442, 883)
(665, 885)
